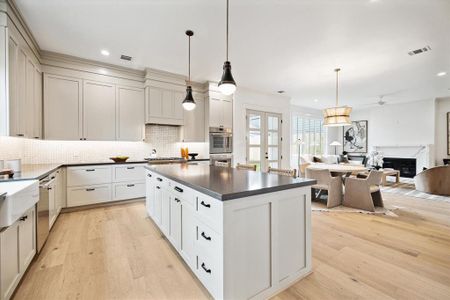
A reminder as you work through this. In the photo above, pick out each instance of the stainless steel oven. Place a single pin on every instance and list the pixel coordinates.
(220, 140)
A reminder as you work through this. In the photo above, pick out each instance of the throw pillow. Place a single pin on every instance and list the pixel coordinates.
(316, 159)
(343, 159)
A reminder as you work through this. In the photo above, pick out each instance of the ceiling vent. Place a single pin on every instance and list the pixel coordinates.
(420, 50)
(126, 57)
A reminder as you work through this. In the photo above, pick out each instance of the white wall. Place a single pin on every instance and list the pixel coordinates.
(442, 108)
(405, 124)
(247, 99)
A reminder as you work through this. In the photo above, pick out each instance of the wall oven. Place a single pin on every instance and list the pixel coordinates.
(220, 140)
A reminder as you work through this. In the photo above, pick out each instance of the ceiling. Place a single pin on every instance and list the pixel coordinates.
(290, 45)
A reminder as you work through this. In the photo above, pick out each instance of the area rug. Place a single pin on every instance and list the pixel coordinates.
(320, 206)
(406, 187)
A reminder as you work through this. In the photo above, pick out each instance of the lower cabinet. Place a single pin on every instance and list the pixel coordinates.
(165, 212)
(175, 221)
(149, 194)
(104, 183)
(17, 250)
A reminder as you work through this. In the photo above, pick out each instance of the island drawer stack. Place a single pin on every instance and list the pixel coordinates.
(103, 183)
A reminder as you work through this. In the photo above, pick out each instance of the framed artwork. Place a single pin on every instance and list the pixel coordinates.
(355, 137)
(448, 133)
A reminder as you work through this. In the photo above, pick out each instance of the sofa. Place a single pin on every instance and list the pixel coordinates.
(308, 159)
(435, 181)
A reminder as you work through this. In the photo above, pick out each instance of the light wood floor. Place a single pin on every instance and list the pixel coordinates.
(116, 253)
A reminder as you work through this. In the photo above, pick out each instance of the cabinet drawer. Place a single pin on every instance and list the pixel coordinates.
(209, 210)
(88, 195)
(182, 192)
(129, 190)
(207, 240)
(92, 175)
(208, 273)
(128, 173)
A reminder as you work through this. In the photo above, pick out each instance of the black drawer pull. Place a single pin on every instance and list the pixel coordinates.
(205, 205)
(206, 270)
(130, 185)
(158, 187)
(23, 218)
(90, 170)
(149, 175)
(178, 189)
(20, 134)
(159, 179)
(208, 238)
(90, 190)
(49, 188)
(130, 168)
(177, 200)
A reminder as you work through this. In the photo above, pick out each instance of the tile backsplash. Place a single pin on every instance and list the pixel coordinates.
(165, 139)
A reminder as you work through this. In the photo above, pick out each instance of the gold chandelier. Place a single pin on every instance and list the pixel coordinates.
(338, 115)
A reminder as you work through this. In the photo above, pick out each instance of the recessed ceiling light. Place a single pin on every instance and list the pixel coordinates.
(104, 52)
(440, 74)
(316, 100)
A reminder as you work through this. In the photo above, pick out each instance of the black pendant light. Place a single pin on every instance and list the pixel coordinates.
(227, 85)
(188, 102)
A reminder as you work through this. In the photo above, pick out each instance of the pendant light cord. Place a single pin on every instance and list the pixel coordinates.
(337, 86)
(189, 62)
(228, 6)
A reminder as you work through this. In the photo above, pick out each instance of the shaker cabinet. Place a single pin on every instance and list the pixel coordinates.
(62, 108)
(25, 89)
(164, 106)
(194, 122)
(99, 111)
(17, 250)
(79, 109)
(130, 114)
(220, 113)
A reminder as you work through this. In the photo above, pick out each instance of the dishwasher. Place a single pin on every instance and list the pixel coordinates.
(46, 190)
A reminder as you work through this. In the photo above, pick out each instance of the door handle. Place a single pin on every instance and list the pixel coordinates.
(208, 238)
(130, 168)
(130, 185)
(178, 189)
(23, 218)
(205, 205)
(206, 270)
(90, 170)
(159, 179)
(177, 200)
(90, 190)
(158, 187)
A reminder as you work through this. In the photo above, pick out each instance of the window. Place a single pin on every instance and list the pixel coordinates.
(309, 136)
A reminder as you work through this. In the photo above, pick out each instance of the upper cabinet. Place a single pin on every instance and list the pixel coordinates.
(220, 112)
(62, 108)
(82, 109)
(194, 126)
(131, 114)
(164, 105)
(99, 111)
(24, 97)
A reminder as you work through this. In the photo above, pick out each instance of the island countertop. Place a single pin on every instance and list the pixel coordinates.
(227, 183)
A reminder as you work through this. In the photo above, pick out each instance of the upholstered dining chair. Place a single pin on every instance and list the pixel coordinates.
(222, 164)
(284, 172)
(333, 185)
(302, 169)
(249, 167)
(365, 193)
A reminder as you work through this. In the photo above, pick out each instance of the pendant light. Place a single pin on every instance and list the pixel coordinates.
(338, 115)
(227, 85)
(188, 102)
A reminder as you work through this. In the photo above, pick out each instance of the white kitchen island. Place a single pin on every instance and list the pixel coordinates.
(244, 234)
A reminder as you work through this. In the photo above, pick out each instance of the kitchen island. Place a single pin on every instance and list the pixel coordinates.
(244, 234)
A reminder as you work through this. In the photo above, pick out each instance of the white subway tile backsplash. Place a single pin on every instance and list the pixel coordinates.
(165, 139)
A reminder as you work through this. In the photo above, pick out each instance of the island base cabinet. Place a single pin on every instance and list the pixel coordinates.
(267, 243)
(17, 250)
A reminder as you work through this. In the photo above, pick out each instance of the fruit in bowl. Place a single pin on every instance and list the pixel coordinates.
(119, 159)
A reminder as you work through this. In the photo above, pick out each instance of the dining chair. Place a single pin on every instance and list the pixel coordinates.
(249, 167)
(363, 193)
(222, 164)
(333, 186)
(302, 169)
(284, 172)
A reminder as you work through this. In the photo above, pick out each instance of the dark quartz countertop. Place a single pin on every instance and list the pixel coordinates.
(39, 171)
(227, 183)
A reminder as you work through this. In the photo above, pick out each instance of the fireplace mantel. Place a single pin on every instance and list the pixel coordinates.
(422, 153)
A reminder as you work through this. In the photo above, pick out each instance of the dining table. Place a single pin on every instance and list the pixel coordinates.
(343, 170)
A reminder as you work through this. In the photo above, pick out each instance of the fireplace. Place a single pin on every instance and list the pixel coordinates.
(406, 166)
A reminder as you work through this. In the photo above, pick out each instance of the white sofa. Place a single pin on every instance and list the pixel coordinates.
(326, 159)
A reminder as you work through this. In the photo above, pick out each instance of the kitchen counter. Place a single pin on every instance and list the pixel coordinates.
(39, 171)
(227, 183)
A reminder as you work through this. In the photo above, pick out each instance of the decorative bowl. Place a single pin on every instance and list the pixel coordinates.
(119, 159)
(193, 155)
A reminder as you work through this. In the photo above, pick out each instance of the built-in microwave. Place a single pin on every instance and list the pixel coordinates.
(220, 140)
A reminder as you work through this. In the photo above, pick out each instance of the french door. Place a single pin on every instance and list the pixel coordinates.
(263, 139)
